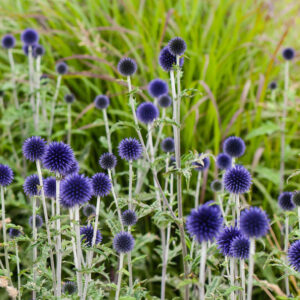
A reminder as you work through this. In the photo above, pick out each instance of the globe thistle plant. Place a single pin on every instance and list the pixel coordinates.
(127, 66)
(224, 161)
(130, 149)
(87, 232)
(237, 180)
(74, 168)
(288, 53)
(123, 242)
(294, 255)
(69, 98)
(101, 102)
(234, 146)
(8, 41)
(157, 87)
(239, 247)
(129, 218)
(38, 221)
(50, 187)
(34, 148)
(61, 68)
(167, 60)
(29, 36)
(285, 201)
(101, 184)
(6, 175)
(168, 145)
(147, 112)
(107, 161)
(31, 185)
(69, 288)
(14, 233)
(272, 85)
(177, 46)
(164, 101)
(38, 50)
(225, 239)
(201, 165)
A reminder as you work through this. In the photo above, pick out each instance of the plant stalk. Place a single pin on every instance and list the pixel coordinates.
(251, 269)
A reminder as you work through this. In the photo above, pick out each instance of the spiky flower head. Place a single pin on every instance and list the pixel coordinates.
(123, 242)
(31, 185)
(205, 222)
(61, 68)
(157, 87)
(14, 233)
(167, 60)
(69, 287)
(225, 239)
(240, 247)
(50, 187)
(34, 148)
(101, 184)
(107, 161)
(76, 189)
(164, 101)
(294, 255)
(58, 157)
(201, 165)
(127, 66)
(254, 222)
(38, 221)
(147, 112)
(272, 85)
(130, 149)
(285, 201)
(29, 36)
(234, 146)
(8, 41)
(73, 169)
(224, 161)
(237, 180)
(101, 102)
(87, 235)
(69, 98)
(129, 218)
(177, 46)
(216, 186)
(6, 175)
(168, 145)
(288, 53)
(296, 198)
(38, 50)
(89, 210)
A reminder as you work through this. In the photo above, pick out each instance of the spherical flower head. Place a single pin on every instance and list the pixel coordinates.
(216, 186)
(224, 161)
(127, 66)
(38, 221)
(204, 223)
(296, 198)
(34, 148)
(254, 222)
(61, 68)
(87, 235)
(294, 255)
(6, 175)
(167, 60)
(273, 85)
(285, 201)
(130, 149)
(101, 184)
(234, 146)
(8, 41)
(76, 189)
(157, 87)
(69, 98)
(50, 187)
(129, 218)
(29, 36)
(177, 46)
(74, 168)
(14, 233)
(240, 247)
(237, 180)
(225, 239)
(31, 185)
(69, 288)
(101, 102)
(58, 157)
(147, 112)
(164, 101)
(123, 242)
(168, 145)
(38, 50)
(89, 210)
(107, 161)
(288, 53)
(201, 166)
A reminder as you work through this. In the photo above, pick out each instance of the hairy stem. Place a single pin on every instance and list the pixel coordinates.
(130, 207)
(232, 267)
(286, 246)
(251, 269)
(69, 124)
(37, 87)
(243, 279)
(119, 276)
(34, 234)
(18, 270)
(202, 271)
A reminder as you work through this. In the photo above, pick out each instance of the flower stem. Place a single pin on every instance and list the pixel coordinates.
(237, 203)
(232, 266)
(299, 216)
(251, 269)
(38, 94)
(202, 271)
(31, 83)
(243, 279)
(160, 131)
(286, 246)
(18, 270)
(130, 207)
(69, 124)
(119, 276)
(34, 234)
(13, 72)
(107, 130)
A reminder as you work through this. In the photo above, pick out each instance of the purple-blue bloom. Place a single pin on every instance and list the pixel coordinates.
(129, 217)
(130, 149)
(147, 112)
(224, 161)
(294, 255)
(101, 184)
(288, 53)
(34, 148)
(225, 239)
(107, 161)
(205, 222)
(8, 41)
(61, 68)
(31, 185)
(50, 187)
(76, 189)
(240, 247)
(69, 98)
(29, 36)
(123, 242)
(234, 146)
(38, 50)
(285, 201)
(177, 46)
(87, 235)
(101, 101)
(237, 180)
(69, 287)
(74, 168)
(38, 221)
(6, 175)
(167, 60)
(14, 233)
(127, 66)
(254, 222)
(201, 166)
(164, 101)
(157, 87)
(168, 145)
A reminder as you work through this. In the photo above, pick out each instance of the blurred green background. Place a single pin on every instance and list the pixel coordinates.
(233, 52)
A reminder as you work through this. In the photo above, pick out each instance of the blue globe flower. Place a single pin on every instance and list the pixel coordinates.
(130, 149)
(38, 221)
(157, 87)
(225, 239)
(8, 41)
(240, 247)
(34, 148)
(123, 242)
(294, 255)
(69, 98)
(14, 233)
(164, 101)
(29, 36)
(69, 287)
(127, 66)
(288, 53)
(201, 166)
(107, 161)
(177, 46)
(6, 175)
(129, 217)
(224, 161)
(168, 145)
(87, 235)
(38, 50)
(73, 169)
(285, 201)
(101, 102)
(147, 112)
(31, 185)
(50, 187)
(61, 68)
(237, 180)
(101, 184)
(234, 146)
(167, 60)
